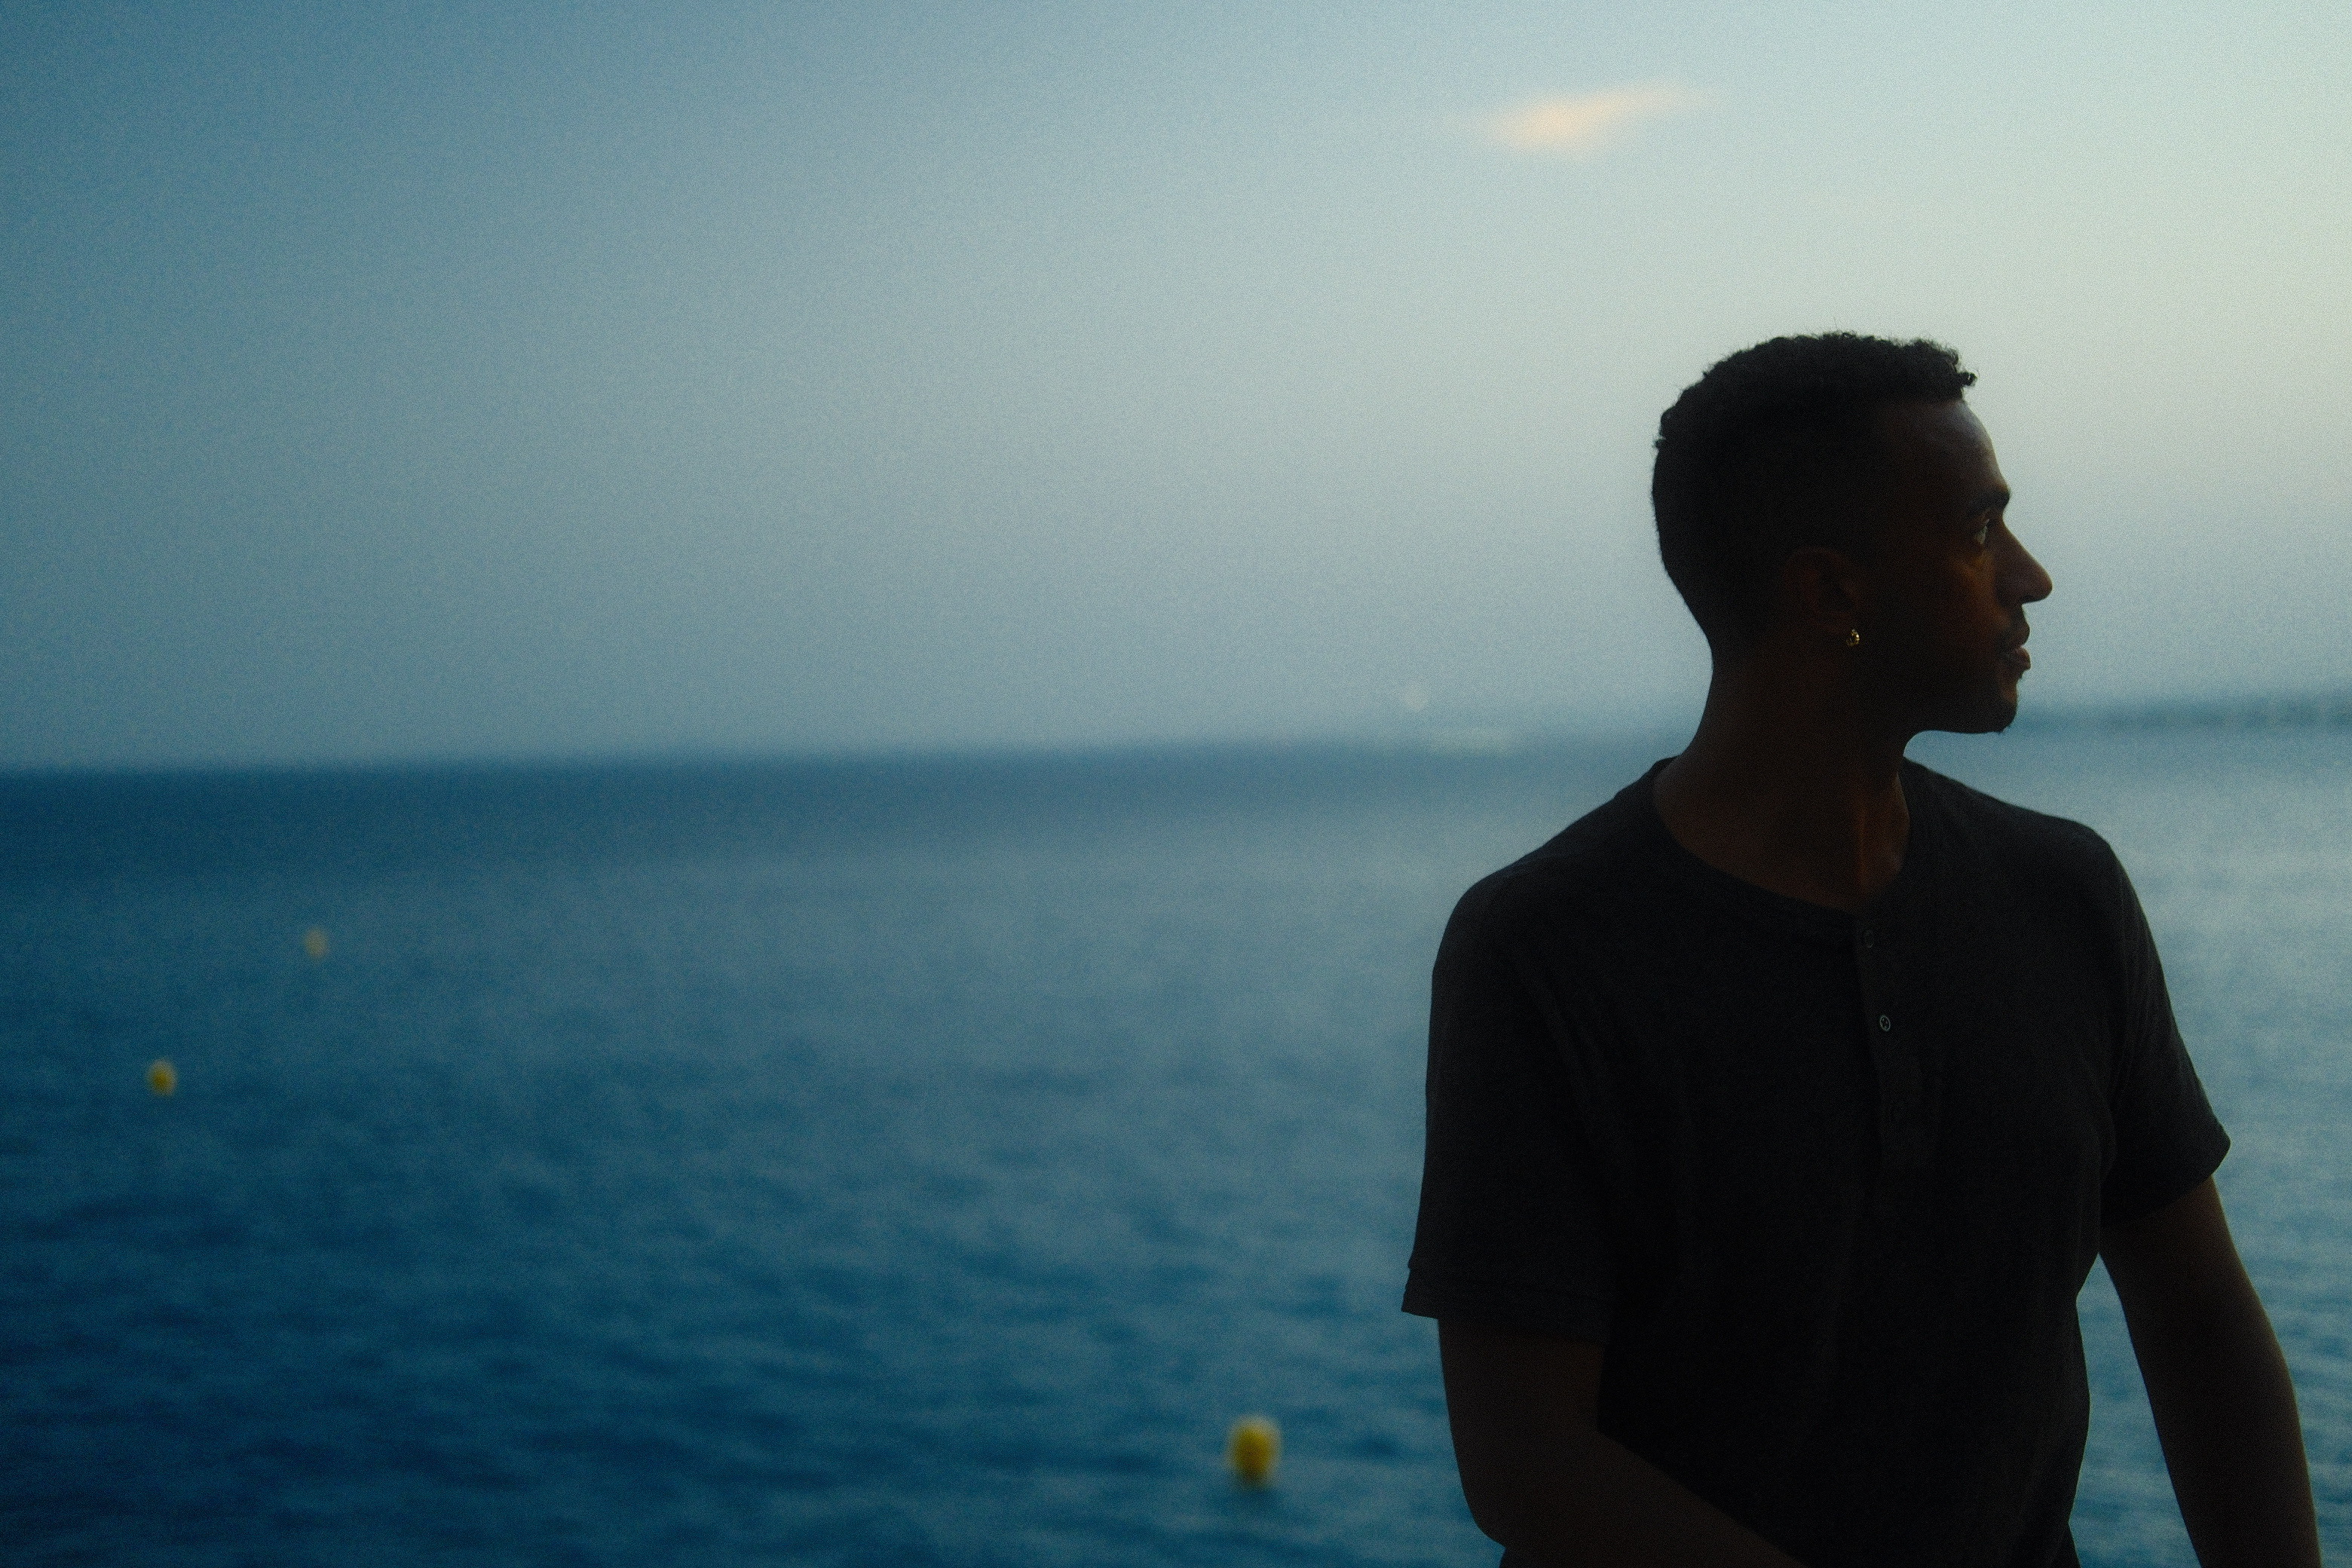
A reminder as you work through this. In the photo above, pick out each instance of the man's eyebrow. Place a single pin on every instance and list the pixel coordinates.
(1993, 500)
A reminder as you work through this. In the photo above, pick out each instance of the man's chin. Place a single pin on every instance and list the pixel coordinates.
(2004, 710)
(1993, 713)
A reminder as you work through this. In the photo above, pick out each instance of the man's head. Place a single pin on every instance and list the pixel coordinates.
(1842, 480)
(1773, 449)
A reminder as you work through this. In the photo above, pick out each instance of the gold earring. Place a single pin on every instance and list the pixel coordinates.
(1853, 638)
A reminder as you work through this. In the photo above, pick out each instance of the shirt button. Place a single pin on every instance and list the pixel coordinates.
(1885, 1023)
(1869, 937)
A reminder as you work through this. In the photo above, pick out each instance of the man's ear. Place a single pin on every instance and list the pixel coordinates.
(1823, 591)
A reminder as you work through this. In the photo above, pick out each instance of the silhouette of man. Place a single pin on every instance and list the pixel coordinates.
(1778, 1108)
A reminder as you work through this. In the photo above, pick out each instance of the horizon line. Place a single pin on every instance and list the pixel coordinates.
(2306, 709)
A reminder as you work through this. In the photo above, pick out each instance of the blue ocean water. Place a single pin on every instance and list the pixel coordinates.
(890, 1163)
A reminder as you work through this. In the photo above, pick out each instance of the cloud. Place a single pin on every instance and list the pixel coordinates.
(1580, 126)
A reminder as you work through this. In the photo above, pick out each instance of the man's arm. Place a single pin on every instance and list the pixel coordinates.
(2224, 1406)
(1542, 1481)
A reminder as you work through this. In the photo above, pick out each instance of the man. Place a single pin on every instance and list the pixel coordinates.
(1777, 1108)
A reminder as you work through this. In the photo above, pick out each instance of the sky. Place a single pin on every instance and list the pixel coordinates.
(506, 381)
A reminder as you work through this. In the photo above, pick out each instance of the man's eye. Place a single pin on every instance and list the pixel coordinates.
(1982, 534)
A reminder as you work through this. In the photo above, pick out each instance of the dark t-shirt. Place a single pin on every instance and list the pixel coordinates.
(1826, 1185)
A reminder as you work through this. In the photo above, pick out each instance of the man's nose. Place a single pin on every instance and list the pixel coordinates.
(2023, 576)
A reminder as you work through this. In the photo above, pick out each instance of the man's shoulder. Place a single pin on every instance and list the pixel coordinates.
(2001, 827)
(1596, 855)
(2013, 841)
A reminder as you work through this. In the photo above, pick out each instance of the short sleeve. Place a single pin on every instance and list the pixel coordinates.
(2168, 1140)
(1510, 1233)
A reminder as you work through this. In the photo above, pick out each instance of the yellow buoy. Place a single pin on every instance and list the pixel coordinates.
(162, 1077)
(1252, 1448)
(314, 942)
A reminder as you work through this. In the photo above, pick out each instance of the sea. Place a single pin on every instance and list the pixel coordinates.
(913, 1161)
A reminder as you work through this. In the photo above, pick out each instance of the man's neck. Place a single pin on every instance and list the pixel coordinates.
(1790, 786)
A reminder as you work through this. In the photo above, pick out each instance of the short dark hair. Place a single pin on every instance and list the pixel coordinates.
(1773, 449)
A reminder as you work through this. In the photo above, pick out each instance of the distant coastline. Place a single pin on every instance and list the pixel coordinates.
(2308, 710)
(2274, 710)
